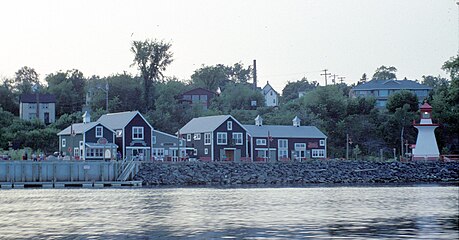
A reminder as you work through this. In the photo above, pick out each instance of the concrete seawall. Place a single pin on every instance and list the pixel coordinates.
(330, 171)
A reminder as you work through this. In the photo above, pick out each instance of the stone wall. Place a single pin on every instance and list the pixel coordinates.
(330, 171)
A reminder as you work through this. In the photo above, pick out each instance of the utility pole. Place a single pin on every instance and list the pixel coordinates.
(401, 144)
(334, 78)
(254, 74)
(341, 79)
(347, 146)
(325, 74)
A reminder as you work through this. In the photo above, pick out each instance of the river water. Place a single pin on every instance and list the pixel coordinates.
(357, 212)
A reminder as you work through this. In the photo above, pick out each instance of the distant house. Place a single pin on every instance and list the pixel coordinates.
(165, 146)
(278, 142)
(382, 89)
(88, 140)
(271, 96)
(133, 133)
(41, 106)
(220, 138)
(197, 97)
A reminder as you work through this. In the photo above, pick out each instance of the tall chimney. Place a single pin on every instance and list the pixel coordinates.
(254, 74)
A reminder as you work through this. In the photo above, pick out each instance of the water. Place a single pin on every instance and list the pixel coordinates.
(415, 212)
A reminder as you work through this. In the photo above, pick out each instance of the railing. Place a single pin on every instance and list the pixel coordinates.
(126, 169)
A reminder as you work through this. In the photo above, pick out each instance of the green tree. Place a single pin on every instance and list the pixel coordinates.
(69, 89)
(385, 73)
(238, 96)
(399, 99)
(8, 100)
(151, 57)
(292, 89)
(210, 77)
(25, 79)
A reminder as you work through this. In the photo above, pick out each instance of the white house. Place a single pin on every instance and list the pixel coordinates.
(271, 96)
(41, 106)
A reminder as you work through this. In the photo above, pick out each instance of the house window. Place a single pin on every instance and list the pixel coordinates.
(283, 154)
(274, 100)
(188, 137)
(322, 143)
(283, 143)
(229, 125)
(64, 142)
(137, 132)
(261, 141)
(206, 151)
(76, 152)
(32, 116)
(318, 153)
(237, 138)
(99, 131)
(195, 152)
(119, 133)
(153, 140)
(158, 152)
(206, 138)
(197, 136)
(81, 144)
(221, 138)
(44, 105)
(300, 145)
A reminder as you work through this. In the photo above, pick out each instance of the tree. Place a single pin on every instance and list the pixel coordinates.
(292, 89)
(151, 57)
(363, 79)
(210, 77)
(237, 96)
(25, 79)
(385, 73)
(69, 89)
(8, 100)
(399, 99)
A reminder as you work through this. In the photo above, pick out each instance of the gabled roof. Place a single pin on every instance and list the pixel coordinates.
(80, 128)
(391, 84)
(268, 87)
(165, 134)
(199, 89)
(206, 124)
(119, 120)
(281, 131)
(42, 98)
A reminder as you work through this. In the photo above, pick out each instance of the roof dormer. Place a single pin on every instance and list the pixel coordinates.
(296, 121)
(259, 121)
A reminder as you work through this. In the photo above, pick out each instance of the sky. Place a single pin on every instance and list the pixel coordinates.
(289, 39)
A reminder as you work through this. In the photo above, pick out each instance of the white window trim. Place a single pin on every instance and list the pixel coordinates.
(101, 132)
(64, 142)
(188, 137)
(241, 138)
(142, 133)
(261, 141)
(300, 145)
(225, 138)
(315, 153)
(197, 136)
(153, 140)
(229, 125)
(207, 136)
(206, 151)
(322, 143)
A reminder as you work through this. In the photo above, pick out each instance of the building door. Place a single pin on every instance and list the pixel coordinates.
(46, 120)
(229, 155)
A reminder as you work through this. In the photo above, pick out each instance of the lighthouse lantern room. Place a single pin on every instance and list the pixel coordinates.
(426, 143)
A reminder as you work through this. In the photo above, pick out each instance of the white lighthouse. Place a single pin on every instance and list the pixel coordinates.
(426, 144)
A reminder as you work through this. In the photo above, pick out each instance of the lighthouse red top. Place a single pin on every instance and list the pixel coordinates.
(426, 111)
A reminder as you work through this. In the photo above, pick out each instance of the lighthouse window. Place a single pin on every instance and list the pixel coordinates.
(425, 115)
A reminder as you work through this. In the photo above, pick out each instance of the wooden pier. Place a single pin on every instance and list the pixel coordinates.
(67, 174)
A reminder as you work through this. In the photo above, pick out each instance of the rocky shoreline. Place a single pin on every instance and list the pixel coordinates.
(311, 172)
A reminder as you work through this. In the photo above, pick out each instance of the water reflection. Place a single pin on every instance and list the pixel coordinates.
(208, 213)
